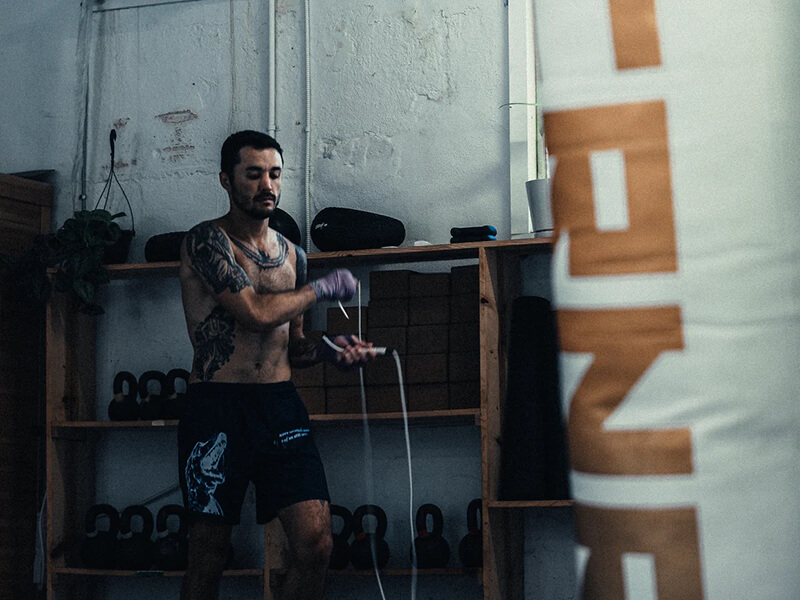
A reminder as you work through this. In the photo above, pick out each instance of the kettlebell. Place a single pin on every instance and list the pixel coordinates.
(470, 550)
(171, 548)
(174, 401)
(124, 407)
(432, 550)
(99, 548)
(135, 548)
(361, 548)
(340, 555)
(151, 405)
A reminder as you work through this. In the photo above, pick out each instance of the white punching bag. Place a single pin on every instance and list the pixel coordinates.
(673, 129)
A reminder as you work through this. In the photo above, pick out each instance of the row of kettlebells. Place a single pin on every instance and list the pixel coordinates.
(429, 551)
(125, 541)
(165, 403)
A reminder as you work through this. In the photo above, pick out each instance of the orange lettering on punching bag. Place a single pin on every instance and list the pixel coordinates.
(671, 538)
(624, 343)
(635, 31)
(639, 131)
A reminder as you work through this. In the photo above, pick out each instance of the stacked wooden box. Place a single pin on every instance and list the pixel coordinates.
(431, 319)
(464, 372)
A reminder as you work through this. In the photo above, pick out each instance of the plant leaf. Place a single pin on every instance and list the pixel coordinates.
(84, 290)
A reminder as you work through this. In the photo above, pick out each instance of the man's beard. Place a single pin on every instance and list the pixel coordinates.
(253, 207)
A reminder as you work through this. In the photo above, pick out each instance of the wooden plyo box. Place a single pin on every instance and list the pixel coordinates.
(309, 377)
(428, 396)
(464, 366)
(464, 308)
(335, 377)
(338, 323)
(426, 368)
(427, 339)
(343, 400)
(464, 280)
(390, 337)
(464, 394)
(314, 399)
(384, 398)
(428, 284)
(389, 284)
(388, 312)
(428, 310)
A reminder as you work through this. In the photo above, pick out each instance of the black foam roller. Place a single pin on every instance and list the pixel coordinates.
(336, 229)
(283, 223)
(534, 461)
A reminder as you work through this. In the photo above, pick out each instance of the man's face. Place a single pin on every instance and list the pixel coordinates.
(255, 188)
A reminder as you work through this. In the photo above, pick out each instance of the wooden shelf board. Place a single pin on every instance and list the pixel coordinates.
(466, 414)
(425, 253)
(403, 572)
(530, 503)
(142, 270)
(148, 573)
(114, 424)
(350, 572)
(358, 257)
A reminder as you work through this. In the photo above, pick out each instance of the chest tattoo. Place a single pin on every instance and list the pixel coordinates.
(213, 343)
(260, 258)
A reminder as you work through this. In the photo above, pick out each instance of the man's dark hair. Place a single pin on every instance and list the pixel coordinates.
(242, 139)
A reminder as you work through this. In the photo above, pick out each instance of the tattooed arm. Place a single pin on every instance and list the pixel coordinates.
(302, 351)
(208, 251)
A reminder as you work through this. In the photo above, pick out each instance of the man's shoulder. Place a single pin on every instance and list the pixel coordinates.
(203, 243)
(206, 227)
(206, 233)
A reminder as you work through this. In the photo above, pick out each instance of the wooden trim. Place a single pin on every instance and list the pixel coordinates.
(27, 190)
(490, 408)
(506, 554)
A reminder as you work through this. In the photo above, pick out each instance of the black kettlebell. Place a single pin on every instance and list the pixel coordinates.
(470, 550)
(135, 548)
(361, 548)
(123, 406)
(170, 550)
(340, 555)
(174, 401)
(151, 404)
(432, 550)
(99, 548)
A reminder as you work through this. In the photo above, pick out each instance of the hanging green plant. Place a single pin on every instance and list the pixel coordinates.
(76, 251)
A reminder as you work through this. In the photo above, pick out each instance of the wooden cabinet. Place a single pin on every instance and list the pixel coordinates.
(72, 422)
(24, 214)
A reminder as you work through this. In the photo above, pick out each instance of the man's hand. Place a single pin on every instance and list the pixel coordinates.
(352, 352)
(339, 284)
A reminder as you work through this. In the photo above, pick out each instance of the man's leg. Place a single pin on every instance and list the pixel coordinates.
(308, 528)
(208, 551)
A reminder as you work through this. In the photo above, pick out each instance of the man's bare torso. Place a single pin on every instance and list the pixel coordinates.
(225, 351)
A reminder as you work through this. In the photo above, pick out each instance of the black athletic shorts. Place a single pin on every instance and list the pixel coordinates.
(233, 433)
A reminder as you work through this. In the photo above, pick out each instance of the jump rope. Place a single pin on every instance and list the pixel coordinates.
(368, 470)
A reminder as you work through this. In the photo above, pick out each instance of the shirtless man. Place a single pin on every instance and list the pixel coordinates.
(244, 294)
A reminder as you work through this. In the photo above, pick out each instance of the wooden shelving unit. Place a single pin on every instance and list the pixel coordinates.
(71, 418)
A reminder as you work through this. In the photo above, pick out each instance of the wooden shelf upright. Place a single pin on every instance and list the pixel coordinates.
(71, 418)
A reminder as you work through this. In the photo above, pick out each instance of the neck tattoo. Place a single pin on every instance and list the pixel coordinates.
(261, 258)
